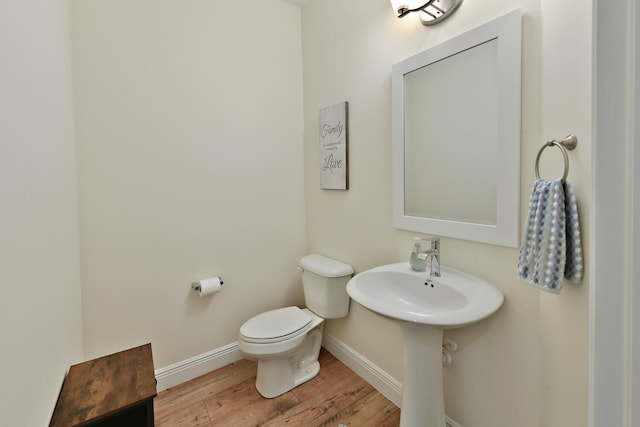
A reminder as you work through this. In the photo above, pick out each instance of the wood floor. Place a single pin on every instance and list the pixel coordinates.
(228, 397)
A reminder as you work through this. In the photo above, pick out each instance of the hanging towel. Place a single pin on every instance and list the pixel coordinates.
(551, 247)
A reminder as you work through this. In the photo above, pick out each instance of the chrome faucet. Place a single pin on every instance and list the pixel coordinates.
(433, 256)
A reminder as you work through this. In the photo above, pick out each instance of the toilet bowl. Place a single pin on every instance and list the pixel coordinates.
(288, 359)
(286, 341)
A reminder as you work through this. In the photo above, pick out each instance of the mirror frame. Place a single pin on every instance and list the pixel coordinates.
(507, 31)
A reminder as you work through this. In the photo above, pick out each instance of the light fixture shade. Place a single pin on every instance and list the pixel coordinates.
(438, 10)
(431, 11)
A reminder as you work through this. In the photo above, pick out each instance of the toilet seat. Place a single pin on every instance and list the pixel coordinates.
(275, 325)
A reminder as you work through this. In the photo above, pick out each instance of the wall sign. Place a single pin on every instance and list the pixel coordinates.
(333, 147)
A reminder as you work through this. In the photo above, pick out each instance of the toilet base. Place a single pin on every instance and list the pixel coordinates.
(271, 383)
(277, 376)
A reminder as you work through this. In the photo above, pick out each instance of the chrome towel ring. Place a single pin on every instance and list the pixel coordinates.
(568, 143)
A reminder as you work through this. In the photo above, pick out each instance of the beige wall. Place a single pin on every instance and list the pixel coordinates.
(193, 161)
(527, 365)
(189, 130)
(40, 315)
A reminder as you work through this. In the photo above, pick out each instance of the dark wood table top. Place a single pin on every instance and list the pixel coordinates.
(98, 388)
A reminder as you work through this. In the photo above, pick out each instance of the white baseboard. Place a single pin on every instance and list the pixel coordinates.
(451, 423)
(193, 367)
(388, 386)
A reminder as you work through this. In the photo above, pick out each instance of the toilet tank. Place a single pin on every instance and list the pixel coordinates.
(324, 281)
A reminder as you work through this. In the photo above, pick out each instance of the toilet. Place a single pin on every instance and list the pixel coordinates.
(286, 341)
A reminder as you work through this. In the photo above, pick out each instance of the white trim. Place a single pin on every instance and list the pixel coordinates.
(634, 332)
(191, 368)
(387, 385)
(615, 247)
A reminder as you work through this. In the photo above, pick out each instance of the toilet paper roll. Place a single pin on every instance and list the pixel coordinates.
(207, 286)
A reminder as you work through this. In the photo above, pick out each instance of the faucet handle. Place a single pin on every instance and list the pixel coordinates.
(435, 242)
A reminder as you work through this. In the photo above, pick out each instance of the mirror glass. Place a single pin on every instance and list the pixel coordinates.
(456, 136)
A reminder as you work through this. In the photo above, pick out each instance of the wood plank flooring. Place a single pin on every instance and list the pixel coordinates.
(228, 397)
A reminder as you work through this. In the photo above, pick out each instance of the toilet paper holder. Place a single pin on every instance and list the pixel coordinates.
(196, 285)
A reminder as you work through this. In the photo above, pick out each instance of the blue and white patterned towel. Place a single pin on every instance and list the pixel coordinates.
(551, 247)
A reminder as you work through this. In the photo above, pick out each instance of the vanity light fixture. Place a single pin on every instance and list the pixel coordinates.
(431, 12)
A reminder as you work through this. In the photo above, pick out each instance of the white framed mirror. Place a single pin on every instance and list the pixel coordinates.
(456, 136)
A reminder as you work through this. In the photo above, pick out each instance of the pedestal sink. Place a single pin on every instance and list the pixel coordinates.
(425, 306)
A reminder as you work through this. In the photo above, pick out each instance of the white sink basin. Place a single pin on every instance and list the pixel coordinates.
(455, 299)
(425, 305)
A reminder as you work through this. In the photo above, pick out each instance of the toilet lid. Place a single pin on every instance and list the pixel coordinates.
(275, 325)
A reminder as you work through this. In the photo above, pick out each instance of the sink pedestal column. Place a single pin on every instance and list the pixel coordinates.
(422, 387)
